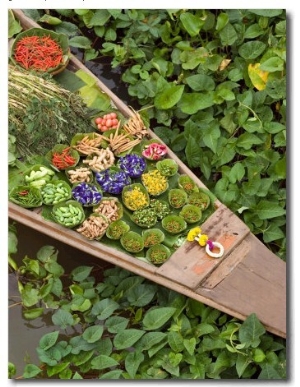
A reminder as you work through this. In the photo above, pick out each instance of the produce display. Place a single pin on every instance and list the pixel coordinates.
(102, 176)
(139, 204)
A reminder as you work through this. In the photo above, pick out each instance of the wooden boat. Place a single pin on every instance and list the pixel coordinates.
(248, 278)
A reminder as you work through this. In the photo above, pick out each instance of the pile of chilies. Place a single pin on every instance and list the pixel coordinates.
(39, 53)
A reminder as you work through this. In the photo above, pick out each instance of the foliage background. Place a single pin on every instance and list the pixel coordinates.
(260, 224)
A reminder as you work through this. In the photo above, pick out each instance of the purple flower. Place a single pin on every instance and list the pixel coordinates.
(132, 164)
(112, 181)
(86, 194)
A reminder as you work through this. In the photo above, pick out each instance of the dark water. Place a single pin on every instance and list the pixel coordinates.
(24, 335)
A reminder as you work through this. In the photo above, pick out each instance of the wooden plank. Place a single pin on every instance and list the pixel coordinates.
(190, 265)
(256, 285)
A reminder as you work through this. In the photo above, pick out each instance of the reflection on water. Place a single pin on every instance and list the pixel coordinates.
(24, 335)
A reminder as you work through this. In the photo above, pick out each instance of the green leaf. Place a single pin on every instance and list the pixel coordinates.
(248, 140)
(115, 324)
(274, 127)
(258, 355)
(80, 42)
(69, 80)
(67, 28)
(62, 318)
(267, 210)
(253, 31)
(93, 333)
(251, 50)
(191, 59)
(226, 192)
(193, 152)
(228, 35)
(191, 23)
(80, 273)
(200, 82)
(115, 374)
(100, 18)
(191, 103)
(31, 314)
(132, 363)
(280, 168)
(156, 318)
(175, 341)
(53, 370)
(272, 64)
(51, 20)
(104, 308)
(54, 268)
(211, 136)
(268, 373)
(46, 288)
(14, 26)
(30, 296)
(222, 21)
(48, 340)
(242, 363)
(101, 362)
(150, 339)
(80, 303)
(30, 371)
(127, 338)
(190, 345)
(198, 371)
(141, 295)
(45, 253)
(169, 97)
(253, 125)
(267, 12)
(236, 173)
(251, 330)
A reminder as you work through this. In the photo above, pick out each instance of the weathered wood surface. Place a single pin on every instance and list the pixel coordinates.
(249, 278)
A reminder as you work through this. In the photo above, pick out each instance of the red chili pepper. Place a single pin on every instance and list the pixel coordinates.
(38, 53)
(23, 193)
(63, 160)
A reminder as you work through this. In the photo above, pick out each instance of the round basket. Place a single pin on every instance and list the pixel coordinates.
(26, 196)
(174, 224)
(46, 38)
(58, 149)
(158, 254)
(135, 196)
(132, 242)
(69, 213)
(55, 191)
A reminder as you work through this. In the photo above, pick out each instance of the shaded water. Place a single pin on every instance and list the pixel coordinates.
(24, 335)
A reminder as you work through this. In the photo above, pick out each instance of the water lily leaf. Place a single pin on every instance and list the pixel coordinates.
(93, 333)
(32, 314)
(156, 318)
(14, 26)
(48, 19)
(191, 23)
(62, 318)
(257, 76)
(252, 50)
(169, 97)
(191, 103)
(48, 340)
(272, 64)
(127, 338)
(101, 362)
(80, 42)
(268, 210)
